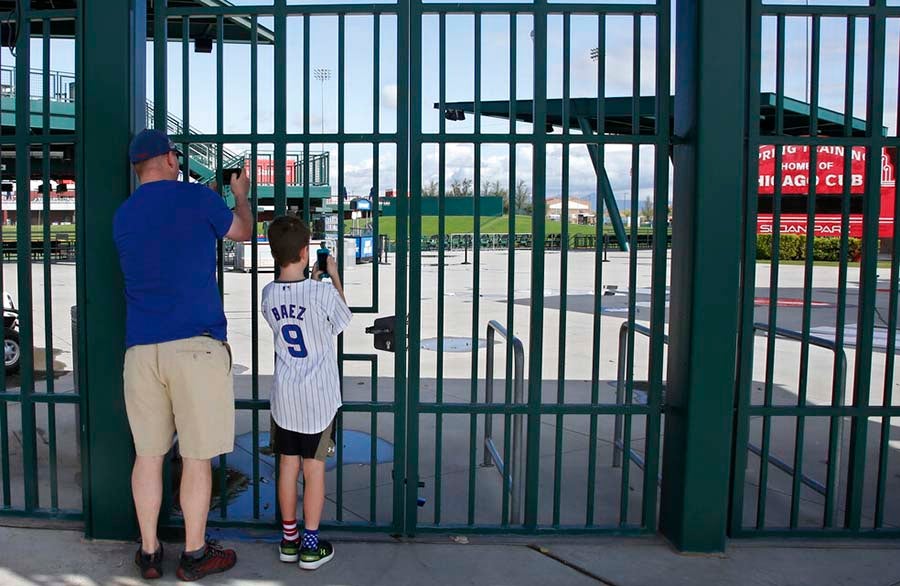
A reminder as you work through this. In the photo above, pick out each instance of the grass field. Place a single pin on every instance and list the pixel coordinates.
(37, 232)
(494, 225)
(388, 226)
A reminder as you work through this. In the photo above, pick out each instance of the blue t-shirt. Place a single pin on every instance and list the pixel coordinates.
(166, 233)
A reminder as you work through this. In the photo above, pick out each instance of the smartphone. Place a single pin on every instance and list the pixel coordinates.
(322, 260)
(229, 174)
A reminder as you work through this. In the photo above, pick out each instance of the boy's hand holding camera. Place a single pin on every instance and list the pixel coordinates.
(331, 270)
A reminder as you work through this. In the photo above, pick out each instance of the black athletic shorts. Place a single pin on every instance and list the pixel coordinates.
(318, 446)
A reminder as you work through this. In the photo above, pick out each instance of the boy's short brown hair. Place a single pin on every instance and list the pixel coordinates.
(288, 236)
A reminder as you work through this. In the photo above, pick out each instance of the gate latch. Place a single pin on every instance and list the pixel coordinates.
(383, 329)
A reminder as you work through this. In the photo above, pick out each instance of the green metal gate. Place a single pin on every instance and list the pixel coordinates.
(291, 188)
(553, 432)
(540, 417)
(817, 373)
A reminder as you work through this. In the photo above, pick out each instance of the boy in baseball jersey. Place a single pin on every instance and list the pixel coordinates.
(305, 316)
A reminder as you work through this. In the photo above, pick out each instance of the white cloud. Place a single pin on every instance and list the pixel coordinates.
(389, 96)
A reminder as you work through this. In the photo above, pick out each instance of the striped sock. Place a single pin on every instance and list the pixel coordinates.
(289, 530)
(310, 539)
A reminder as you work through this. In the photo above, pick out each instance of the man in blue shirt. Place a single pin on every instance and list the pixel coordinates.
(178, 363)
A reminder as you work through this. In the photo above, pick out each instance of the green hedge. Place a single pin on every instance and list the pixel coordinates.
(793, 247)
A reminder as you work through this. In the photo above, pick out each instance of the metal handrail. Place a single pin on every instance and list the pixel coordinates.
(841, 358)
(491, 456)
(618, 446)
(61, 88)
(840, 355)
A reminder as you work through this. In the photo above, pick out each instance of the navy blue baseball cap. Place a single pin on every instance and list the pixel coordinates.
(149, 144)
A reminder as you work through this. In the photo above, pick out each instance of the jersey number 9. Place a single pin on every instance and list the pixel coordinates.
(293, 335)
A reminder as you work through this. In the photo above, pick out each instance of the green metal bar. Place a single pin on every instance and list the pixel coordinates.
(546, 409)
(632, 264)
(709, 159)
(373, 454)
(835, 425)
(339, 483)
(563, 275)
(186, 81)
(598, 161)
(376, 127)
(339, 474)
(48, 298)
(408, 257)
(280, 99)
(4, 415)
(539, 229)
(773, 276)
(160, 65)
(476, 294)
(442, 194)
(868, 267)
(510, 266)
(465, 8)
(185, 99)
(41, 398)
(630, 531)
(476, 274)
(552, 408)
(803, 383)
(220, 249)
(746, 340)
(4, 452)
(111, 107)
(606, 191)
(658, 270)
(826, 411)
(820, 534)
(63, 517)
(254, 251)
(461, 137)
(307, 163)
(83, 434)
(23, 262)
(890, 361)
(439, 386)
(770, 344)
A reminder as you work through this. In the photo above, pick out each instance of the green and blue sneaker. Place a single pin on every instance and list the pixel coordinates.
(314, 558)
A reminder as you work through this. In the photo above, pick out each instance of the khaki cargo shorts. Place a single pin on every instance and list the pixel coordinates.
(182, 386)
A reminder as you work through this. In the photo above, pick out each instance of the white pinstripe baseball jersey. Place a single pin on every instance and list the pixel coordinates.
(305, 317)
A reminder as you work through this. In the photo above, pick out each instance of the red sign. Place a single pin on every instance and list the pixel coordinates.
(829, 177)
(795, 175)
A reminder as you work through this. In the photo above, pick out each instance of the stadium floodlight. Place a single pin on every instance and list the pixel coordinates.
(323, 74)
(595, 54)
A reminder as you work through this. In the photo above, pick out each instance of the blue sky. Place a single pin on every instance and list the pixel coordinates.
(358, 79)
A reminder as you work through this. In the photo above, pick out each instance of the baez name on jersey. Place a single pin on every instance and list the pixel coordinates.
(289, 311)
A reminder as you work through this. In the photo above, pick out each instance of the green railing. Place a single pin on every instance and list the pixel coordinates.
(420, 416)
(41, 402)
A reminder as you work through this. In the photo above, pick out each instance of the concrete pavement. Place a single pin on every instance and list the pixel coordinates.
(38, 557)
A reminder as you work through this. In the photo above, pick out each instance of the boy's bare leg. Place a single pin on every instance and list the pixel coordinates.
(196, 487)
(313, 493)
(288, 474)
(146, 486)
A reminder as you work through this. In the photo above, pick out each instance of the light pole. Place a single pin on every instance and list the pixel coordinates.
(323, 74)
